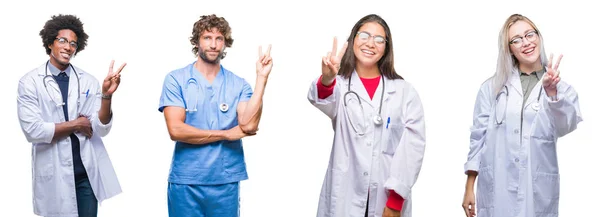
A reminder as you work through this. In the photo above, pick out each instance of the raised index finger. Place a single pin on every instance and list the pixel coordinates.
(343, 50)
(110, 67)
(558, 62)
(260, 51)
(334, 50)
(268, 53)
(550, 61)
(120, 68)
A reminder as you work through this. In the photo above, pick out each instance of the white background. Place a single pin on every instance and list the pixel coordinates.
(445, 49)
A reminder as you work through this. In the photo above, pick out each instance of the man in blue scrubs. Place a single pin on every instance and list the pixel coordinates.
(208, 110)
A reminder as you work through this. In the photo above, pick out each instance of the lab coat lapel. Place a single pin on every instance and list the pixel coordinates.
(535, 92)
(358, 87)
(390, 89)
(515, 83)
(73, 95)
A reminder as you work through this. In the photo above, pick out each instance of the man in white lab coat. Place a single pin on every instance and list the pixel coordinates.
(63, 112)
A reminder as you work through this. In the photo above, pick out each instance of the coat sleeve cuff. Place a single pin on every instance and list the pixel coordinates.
(49, 129)
(100, 128)
(395, 185)
(395, 201)
(471, 165)
(324, 91)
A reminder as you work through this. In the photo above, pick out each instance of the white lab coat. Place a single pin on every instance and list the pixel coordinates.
(517, 164)
(382, 159)
(53, 175)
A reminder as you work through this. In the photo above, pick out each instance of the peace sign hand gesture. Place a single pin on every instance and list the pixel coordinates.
(264, 64)
(112, 80)
(551, 78)
(331, 63)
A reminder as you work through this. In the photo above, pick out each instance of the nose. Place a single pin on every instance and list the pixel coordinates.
(371, 42)
(213, 44)
(526, 43)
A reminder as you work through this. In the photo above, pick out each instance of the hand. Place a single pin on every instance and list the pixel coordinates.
(264, 64)
(331, 63)
(84, 126)
(236, 133)
(551, 78)
(112, 80)
(469, 203)
(387, 212)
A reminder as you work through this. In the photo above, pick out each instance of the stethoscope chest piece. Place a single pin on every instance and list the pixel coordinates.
(224, 107)
(377, 120)
(535, 106)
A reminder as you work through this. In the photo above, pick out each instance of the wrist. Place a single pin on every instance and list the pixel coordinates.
(106, 96)
(327, 81)
(74, 125)
(226, 134)
(261, 79)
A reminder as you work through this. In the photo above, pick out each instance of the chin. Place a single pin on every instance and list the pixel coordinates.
(367, 61)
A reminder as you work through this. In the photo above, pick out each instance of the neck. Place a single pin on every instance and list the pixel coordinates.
(367, 71)
(59, 66)
(529, 68)
(208, 70)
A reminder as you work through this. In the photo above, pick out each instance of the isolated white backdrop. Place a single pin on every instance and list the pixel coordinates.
(446, 49)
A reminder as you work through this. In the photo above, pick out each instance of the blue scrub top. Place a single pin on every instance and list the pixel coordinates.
(215, 163)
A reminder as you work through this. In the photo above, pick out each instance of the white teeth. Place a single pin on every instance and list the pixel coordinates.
(528, 51)
(368, 52)
(64, 55)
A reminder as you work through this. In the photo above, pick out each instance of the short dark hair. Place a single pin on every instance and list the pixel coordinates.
(60, 22)
(206, 23)
(385, 64)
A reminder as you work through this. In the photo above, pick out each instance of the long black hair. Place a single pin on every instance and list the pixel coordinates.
(385, 64)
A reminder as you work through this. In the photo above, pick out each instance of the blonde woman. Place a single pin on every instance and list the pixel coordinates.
(519, 114)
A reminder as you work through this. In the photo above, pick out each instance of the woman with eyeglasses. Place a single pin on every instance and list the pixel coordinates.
(377, 116)
(519, 114)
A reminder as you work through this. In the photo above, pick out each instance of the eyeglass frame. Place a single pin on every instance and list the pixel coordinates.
(64, 41)
(517, 41)
(372, 36)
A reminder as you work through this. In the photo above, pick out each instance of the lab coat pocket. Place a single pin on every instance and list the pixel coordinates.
(393, 136)
(485, 188)
(546, 187)
(43, 161)
(87, 103)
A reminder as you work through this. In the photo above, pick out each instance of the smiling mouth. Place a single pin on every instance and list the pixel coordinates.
(368, 52)
(529, 51)
(65, 55)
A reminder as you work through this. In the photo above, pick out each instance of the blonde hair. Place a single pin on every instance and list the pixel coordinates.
(507, 63)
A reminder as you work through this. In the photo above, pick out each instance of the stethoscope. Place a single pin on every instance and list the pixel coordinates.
(223, 107)
(62, 103)
(535, 106)
(377, 119)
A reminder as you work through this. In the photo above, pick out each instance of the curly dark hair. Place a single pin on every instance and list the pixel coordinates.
(206, 23)
(60, 22)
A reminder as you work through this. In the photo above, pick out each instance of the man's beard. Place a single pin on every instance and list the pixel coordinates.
(205, 58)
